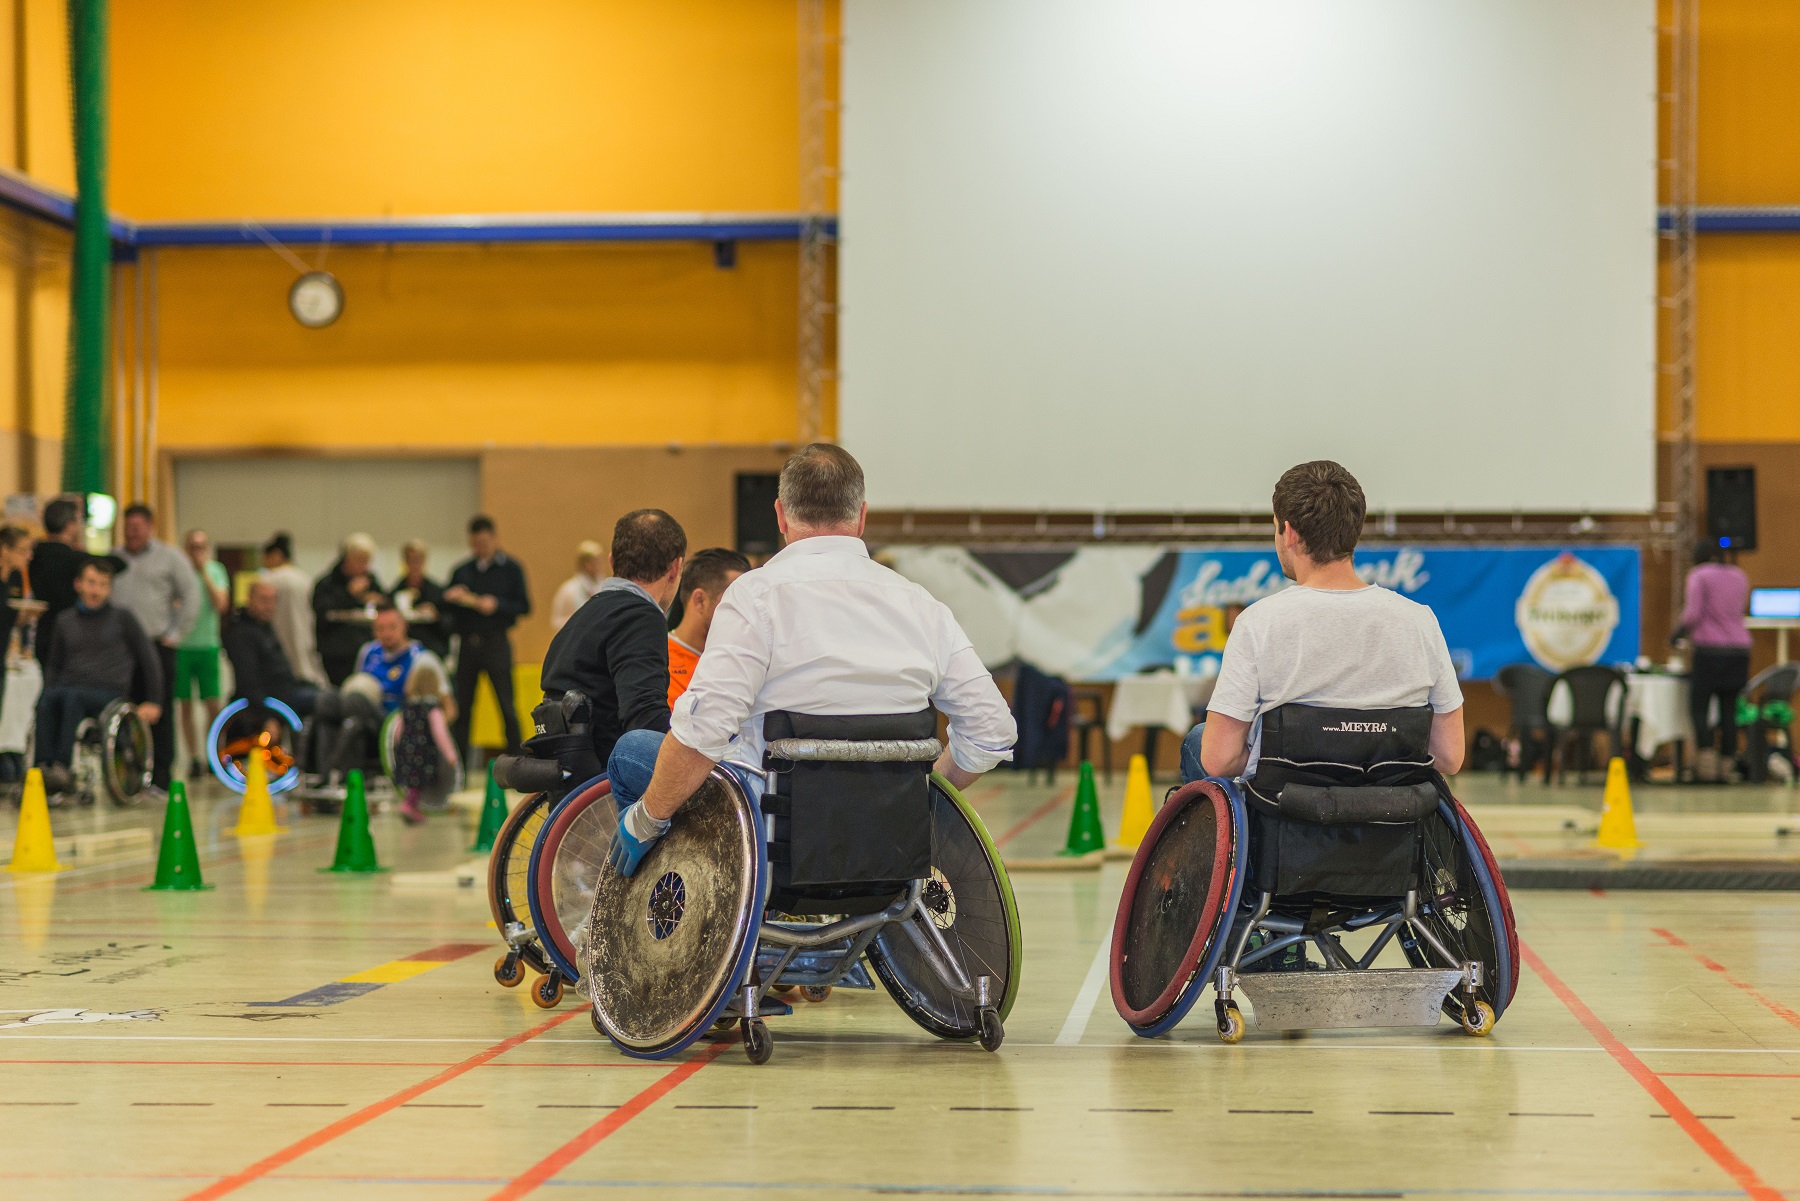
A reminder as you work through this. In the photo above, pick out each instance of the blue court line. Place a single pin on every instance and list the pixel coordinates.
(334, 993)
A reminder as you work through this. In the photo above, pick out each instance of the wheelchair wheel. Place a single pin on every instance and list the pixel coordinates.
(1175, 913)
(970, 902)
(668, 947)
(1465, 904)
(125, 753)
(509, 873)
(233, 735)
(566, 862)
(386, 739)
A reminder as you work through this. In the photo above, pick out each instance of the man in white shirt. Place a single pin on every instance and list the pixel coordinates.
(574, 591)
(820, 629)
(1331, 640)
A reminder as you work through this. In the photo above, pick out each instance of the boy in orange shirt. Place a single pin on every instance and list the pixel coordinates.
(703, 583)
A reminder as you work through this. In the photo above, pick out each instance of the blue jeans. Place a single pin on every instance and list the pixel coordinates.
(1190, 755)
(59, 711)
(633, 762)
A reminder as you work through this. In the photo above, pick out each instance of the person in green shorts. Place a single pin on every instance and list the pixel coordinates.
(197, 656)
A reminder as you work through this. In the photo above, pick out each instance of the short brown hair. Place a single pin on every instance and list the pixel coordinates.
(708, 569)
(821, 486)
(646, 543)
(1325, 505)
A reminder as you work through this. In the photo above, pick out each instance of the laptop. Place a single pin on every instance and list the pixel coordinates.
(1775, 603)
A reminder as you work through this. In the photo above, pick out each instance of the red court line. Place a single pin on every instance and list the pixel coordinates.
(448, 953)
(369, 1113)
(1775, 1007)
(1650, 1082)
(541, 1171)
(1042, 811)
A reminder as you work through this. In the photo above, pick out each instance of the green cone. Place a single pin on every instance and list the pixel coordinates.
(493, 813)
(1086, 835)
(355, 846)
(178, 864)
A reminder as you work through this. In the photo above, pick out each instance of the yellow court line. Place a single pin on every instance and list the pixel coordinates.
(394, 972)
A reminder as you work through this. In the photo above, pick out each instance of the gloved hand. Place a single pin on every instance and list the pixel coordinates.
(637, 833)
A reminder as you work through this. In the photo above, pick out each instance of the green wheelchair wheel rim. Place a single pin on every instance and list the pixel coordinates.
(1008, 902)
(390, 727)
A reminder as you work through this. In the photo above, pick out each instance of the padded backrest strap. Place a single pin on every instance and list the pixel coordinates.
(1332, 806)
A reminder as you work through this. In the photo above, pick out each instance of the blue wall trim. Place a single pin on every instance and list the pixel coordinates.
(1739, 219)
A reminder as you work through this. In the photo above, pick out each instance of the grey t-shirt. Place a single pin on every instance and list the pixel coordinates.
(1370, 648)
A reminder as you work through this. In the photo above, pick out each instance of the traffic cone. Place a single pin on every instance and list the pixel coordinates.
(493, 813)
(1086, 835)
(1618, 829)
(1140, 807)
(257, 814)
(178, 865)
(34, 849)
(355, 846)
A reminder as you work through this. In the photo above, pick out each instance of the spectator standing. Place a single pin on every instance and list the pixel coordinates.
(15, 555)
(704, 579)
(1718, 597)
(420, 600)
(489, 594)
(55, 562)
(197, 658)
(574, 591)
(160, 589)
(99, 653)
(293, 618)
(342, 605)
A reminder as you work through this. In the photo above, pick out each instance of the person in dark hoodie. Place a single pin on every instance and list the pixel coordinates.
(55, 561)
(98, 654)
(342, 603)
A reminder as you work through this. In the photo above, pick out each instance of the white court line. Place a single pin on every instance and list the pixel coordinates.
(1076, 1024)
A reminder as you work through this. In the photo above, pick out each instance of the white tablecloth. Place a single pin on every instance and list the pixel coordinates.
(1658, 701)
(1163, 699)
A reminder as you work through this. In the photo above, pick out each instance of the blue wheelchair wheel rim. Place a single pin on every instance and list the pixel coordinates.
(569, 971)
(1202, 979)
(228, 773)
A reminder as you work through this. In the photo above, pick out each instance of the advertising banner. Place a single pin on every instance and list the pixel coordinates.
(1102, 612)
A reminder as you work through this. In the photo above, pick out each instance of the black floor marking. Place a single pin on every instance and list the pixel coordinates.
(306, 1104)
(1710, 1117)
(1278, 1111)
(578, 1107)
(175, 1104)
(990, 1109)
(437, 1105)
(1415, 1113)
(1549, 1115)
(871, 1107)
(1136, 1111)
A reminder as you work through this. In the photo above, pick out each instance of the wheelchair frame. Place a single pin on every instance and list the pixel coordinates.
(93, 760)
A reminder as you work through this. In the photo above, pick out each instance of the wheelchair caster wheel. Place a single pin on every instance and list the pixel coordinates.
(1231, 1022)
(758, 1043)
(594, 1019)
(815, 992)
(992, 1032)
(1478, 1019)
(548, 992)
(509, 971)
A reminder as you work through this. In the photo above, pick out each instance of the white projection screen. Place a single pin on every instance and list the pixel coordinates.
(1145, 254)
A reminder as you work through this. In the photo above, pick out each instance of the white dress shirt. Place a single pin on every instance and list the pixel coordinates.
(573, 594)
(822, 628)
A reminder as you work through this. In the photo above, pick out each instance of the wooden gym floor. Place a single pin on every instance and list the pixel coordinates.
(298, 1035)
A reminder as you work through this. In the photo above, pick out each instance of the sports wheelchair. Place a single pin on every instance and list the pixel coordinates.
(112, 756)
(1346, 831)
(856, 850)
(551, 848)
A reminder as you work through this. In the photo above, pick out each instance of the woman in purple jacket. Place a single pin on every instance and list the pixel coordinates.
(1718, 596)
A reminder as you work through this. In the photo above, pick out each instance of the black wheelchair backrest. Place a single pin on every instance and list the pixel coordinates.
(844, 821)
(560, 752)
(1346, 765)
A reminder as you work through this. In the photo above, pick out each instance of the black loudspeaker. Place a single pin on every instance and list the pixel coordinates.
(757, 533)
(1731, 507)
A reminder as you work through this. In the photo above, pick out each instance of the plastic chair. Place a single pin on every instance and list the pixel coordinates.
(1589, 687)
(1089, 717)
(1526, 686)
(1768, 692)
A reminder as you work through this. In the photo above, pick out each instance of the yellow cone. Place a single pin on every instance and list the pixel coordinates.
(1140, 807)
(33, 848)
(1618, 829)
(257, 816)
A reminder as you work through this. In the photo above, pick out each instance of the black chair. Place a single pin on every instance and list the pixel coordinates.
(1769, 688)
(1089, 717)
(1588, 689)
(1526, 687)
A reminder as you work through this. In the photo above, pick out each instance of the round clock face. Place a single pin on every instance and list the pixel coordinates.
(316, 299)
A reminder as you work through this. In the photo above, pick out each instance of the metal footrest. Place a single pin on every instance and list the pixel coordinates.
(1345, 999)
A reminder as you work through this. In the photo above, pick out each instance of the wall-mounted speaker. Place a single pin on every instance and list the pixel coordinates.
(1731, 507)
(757, 533)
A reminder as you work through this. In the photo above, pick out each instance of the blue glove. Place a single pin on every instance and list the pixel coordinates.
(637, 833)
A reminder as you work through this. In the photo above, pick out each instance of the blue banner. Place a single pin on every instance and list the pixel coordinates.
(1559, 607)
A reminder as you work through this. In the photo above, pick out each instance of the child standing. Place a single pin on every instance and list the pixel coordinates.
(424, 756)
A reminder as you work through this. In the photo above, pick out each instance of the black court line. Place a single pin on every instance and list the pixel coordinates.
(578, 1107)
(174, 1104)
(1549, 1115)
(305, 1104)
(869, 1107)
(1415, 1113)
(1275, 1111)
(990, 1109)
(715, 1107)
(1138, 1111)
(1710, 1117)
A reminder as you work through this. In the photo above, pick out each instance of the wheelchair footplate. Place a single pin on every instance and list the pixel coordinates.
(1345, 999)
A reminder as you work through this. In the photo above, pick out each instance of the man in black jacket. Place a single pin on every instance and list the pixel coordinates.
(258, 664)
(98, 654)
(615, 650)
(343, 607)
(55, 562)
(486, 595)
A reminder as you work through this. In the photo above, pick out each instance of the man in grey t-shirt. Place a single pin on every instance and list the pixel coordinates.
(1331, 640)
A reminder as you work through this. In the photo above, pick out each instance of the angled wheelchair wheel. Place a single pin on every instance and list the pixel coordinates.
(125, 754)
(386, 740)
(1464, 902)
(567, 858)
(1175, 913)
(668, 947)
(235, 732)
(969, 902)
(509, 874)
